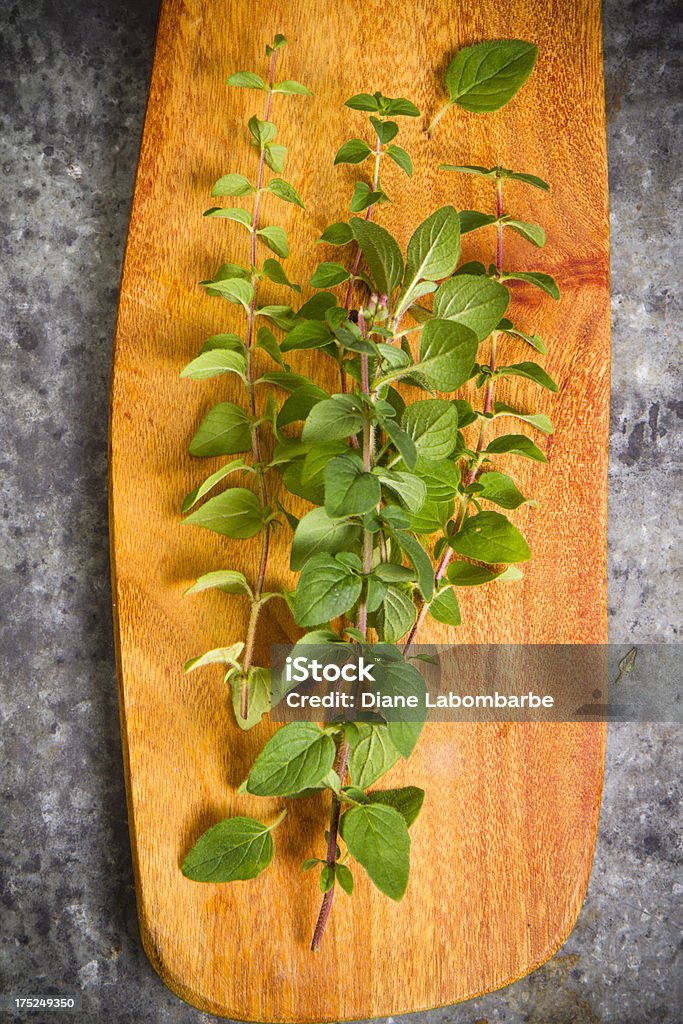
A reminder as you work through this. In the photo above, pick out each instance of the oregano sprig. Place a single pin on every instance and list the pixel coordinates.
(227, 428)
(398, 489)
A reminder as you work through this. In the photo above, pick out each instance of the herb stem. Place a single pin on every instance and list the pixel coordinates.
(437, 117)
(340, 763)
(256, 430)
(357, 256)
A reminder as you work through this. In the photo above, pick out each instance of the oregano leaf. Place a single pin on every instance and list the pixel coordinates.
(296, 758)
(326, 588)
(474, 301)
(490, 537)
(381, 252)
(225, 430)
(486, 76)
(235, 513)
(235, 849)
(377, 837)
(352, 152)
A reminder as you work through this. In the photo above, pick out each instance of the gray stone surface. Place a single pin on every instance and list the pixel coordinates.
(74, 81)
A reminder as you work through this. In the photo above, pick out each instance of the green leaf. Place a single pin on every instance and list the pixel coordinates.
(396, 615)
(284, 379)
(389, 572)
(362, 101)
(447, 353)
(265, 338)
(225, 430)
(407, 801)
(474, 301)
(337, 234)
(234, 850)
(297, 757)
(263, 132)
(515, 444)
(307, 334)
(353, 152)
(333, 419)
(464, 574)
(490, 537)
(283, 190)
(345, 878)
(441, 478)
(432, 424)
(317, 306)
(372, 753)
(432, 516)
(218, 656)
(230, 341)
(400, 157)
(531, 371)
(327, 275)
(259, 696)
(381, 252)
(275, 156)
(533, 233)
(229, 580)
(385, 130)
(316, 534)
(282, 316)
(326, 877)
(529, 179)
(476, 169)
(434, 248)
(232, 185)
(420, 561)
(319, 455)
(402, 441)
(327, 588)
(377, 837)
(197, 493)
(543, 281)
(399, 107)
(497, 172)
(537, 419)
(501, 490)
(234, 289)
(246, 80)
(349, 490)
(235, 513)
(445, 608)
(363, 197)
(276, 239)
(299, 404)
(291, 88)
(214, 363)
(471, 220)
(235, 213)
(409, 489)
(486, 76)
(275, 272)
(534, 340)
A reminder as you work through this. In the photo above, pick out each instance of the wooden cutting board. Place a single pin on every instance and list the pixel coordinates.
(502, 852)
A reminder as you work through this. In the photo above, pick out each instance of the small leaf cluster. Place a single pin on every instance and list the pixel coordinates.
(405, 505)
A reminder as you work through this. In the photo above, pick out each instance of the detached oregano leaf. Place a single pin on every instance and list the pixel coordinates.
(486, 76)
(234, 850)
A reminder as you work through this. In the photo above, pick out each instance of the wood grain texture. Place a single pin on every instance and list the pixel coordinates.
(501, 855)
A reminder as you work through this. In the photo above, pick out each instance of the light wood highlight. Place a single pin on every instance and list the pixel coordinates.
(501, 855)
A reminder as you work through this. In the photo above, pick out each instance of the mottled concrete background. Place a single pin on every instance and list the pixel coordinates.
(74, 82)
